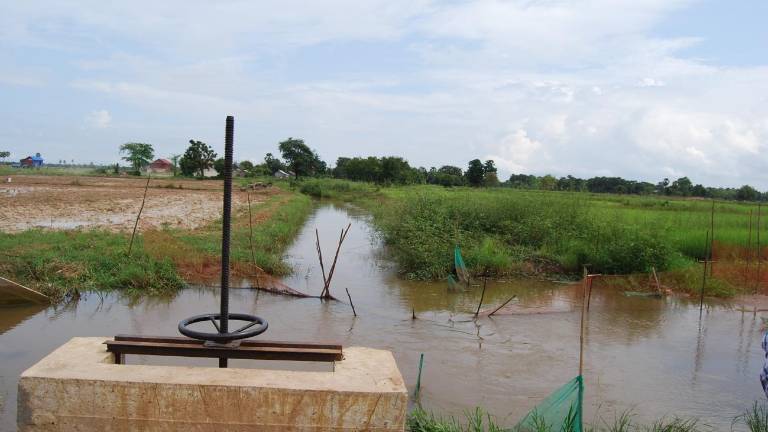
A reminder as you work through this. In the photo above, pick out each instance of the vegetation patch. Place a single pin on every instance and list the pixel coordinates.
(58, 263)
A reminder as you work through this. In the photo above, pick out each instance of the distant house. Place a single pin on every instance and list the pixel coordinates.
(282, 174)
(160, 166)
(35, 161)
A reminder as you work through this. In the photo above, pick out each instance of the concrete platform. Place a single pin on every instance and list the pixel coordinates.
(78, 388)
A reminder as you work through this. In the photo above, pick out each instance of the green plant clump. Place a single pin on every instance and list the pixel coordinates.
(60, 262)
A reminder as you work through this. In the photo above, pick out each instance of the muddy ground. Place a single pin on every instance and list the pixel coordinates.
(66, 202)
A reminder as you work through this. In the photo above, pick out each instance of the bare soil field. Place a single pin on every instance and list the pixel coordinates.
(68, 202)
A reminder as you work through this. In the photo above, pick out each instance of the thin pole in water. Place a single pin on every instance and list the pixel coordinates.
(136, 224)
(418, 378)
(502, 305)
(581, 327)
(757, 227)
(350, 301)
(711, 237)
(250, 241)
(226, 230)
(704, 277)
(482, 295)
(749, 252)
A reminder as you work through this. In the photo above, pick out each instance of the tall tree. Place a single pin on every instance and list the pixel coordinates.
(490, 166)
(4, 154)
(475, 173)
(198, 158)
(747, 193)
(300, 159)
(138, 155)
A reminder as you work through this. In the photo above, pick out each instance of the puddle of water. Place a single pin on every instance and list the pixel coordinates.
(645, 354)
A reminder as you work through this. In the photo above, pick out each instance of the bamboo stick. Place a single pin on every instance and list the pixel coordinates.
(711, 237)
(350, 302)
(749, 251)
(502, 305)
(342, 236)
(704, 277)
(250, 241)
(136, 224)
(581, 327)
(757, 227)
(320, 257)
(656, 278)
(482, 295)
(418, 378)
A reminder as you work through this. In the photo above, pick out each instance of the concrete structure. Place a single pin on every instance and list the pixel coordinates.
(77, 387)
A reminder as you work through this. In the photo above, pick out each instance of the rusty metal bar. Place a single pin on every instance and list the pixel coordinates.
(251, 350)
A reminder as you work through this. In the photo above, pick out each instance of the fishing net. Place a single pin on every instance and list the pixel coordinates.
(461, 268)
(559, 412)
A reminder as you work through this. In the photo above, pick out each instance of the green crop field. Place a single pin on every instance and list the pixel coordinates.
(502, 230)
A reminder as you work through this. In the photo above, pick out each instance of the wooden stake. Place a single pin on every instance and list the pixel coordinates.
(320, 257)
(342, 236)
(656, 278)
(704, 277)
(413, 313)
(711, 237)
(418, 378)
(350, 301)
(482, 295)
(250, 240)
(502, 305)
(749, 252)
(136, 224)
(581, 327)
(757, 227)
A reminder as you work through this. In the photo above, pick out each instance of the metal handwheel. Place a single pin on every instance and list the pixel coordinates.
(243, 332)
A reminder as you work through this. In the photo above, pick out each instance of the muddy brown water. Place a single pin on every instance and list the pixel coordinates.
(648, 355)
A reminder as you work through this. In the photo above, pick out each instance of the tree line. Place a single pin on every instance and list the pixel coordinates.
(299, 160)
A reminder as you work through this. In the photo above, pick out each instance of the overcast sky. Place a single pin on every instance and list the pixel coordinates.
(642, 89)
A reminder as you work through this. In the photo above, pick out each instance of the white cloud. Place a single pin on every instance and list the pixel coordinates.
(516, 151)
(581, 87)
(99, 119)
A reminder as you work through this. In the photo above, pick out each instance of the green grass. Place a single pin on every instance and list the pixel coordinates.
(480, 421)
(755, 418)
(508, 231)
(61, 262)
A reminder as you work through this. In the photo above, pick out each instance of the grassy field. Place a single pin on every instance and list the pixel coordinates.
(503, 231)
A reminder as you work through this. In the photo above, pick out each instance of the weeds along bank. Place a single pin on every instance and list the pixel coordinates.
(503, 231)
(754, 419)
(62, 262)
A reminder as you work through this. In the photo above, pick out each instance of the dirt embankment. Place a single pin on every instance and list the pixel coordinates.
(66, 202)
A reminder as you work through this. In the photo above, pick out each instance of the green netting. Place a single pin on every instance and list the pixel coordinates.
(461, 269)
(452, 282)
(560, 411)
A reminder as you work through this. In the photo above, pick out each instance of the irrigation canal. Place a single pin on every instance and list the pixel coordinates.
(649, 355)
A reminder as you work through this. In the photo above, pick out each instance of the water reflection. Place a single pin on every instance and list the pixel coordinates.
(641, 353)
